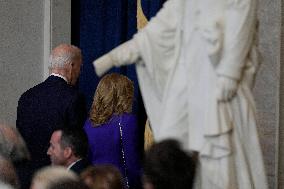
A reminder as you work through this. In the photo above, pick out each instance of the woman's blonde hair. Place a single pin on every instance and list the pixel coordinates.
(114, 95)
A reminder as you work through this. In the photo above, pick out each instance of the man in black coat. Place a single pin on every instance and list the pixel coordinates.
(68, 148)
(51, 105)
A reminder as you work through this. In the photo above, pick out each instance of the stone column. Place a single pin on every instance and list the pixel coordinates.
(280, 129)
(268, 91)
(57, 27)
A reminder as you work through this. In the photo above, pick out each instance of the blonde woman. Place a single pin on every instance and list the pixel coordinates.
(113, 131)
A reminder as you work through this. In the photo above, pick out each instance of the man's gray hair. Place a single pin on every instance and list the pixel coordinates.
(5, 186)
(65, 56)
(49, 175)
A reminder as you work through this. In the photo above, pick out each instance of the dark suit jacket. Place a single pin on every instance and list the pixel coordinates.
(51, 105)
(79, 166)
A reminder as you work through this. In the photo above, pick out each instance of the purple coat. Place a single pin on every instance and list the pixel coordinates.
(105, 145)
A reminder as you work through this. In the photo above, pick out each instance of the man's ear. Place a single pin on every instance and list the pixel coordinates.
(68, 70)
(67, 152)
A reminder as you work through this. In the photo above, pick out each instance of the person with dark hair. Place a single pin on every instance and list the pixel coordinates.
(69, 148)
(167, 166)
(112, 129)
(102, 177)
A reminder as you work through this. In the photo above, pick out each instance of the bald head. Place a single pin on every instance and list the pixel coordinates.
(66, 60)
(63, 55)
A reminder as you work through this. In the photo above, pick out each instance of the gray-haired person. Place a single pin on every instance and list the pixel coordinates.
(51, 105)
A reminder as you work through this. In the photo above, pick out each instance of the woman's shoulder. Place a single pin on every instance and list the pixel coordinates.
(123, 118)
(126, 117)
(88, 123)
(129, 115)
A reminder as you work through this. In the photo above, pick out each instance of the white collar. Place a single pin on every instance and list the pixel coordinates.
(61, 76)
(68, 168)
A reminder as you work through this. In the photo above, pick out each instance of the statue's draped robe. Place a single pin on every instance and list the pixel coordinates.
(184, 49)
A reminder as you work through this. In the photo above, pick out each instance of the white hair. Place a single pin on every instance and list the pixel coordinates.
(5, 186)
(51, 175)
(60, 61)
(65, 57)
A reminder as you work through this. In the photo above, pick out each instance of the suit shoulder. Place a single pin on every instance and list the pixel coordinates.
(30, 91)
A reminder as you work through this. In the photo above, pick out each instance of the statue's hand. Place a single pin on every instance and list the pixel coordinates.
(124, 54)
(103, 64)
(226, 88)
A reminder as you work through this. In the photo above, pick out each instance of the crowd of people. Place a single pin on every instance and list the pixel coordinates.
(56, 145)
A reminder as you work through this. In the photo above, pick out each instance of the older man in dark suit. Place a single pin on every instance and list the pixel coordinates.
(51, 105)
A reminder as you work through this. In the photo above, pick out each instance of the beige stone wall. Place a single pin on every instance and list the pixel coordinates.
(28, 30)
(21, 44)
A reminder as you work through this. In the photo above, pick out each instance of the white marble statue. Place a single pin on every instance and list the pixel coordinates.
(196, 60)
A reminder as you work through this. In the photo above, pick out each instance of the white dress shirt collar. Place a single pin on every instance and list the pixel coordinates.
(68, 168)
(61, 76)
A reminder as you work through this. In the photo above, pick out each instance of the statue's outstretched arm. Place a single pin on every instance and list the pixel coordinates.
(124, 54)
(156, 33)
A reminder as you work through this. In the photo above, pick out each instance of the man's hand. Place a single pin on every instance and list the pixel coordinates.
(226, 88)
